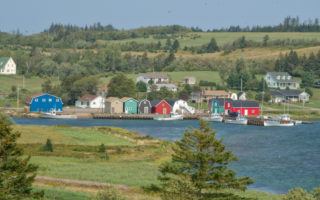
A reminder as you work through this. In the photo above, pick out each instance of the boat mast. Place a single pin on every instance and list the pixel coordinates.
(262, 98)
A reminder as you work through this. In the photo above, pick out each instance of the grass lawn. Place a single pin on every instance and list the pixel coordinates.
(126, 172)
(32, 84)
(69, 136)
(60, 193)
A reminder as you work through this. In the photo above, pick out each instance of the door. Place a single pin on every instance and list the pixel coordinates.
(245, 112)
(146, 110)
(112, 110)
(164, 111)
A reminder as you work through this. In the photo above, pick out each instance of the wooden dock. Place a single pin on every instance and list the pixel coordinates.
(137, 116)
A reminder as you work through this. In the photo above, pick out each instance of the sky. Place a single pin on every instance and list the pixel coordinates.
(31, 16)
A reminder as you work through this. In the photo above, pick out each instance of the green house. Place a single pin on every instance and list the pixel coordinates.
(130, 105)
(217, 105)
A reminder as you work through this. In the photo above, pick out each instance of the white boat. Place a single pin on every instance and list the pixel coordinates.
(282, 120)
(238, 120)
(53, 115)
(172, 117)
(213, 118)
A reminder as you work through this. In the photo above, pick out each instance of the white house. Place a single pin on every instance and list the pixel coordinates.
(281, 80)
(190, 80)
(278, 96)
(169, 86)
(7, 66)
(181, 107)
(155, 77)
(242, 96)
(90, 101)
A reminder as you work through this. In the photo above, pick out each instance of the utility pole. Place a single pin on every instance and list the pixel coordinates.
(18, 98)
(23, 81)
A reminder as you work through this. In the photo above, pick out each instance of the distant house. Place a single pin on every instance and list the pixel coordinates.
(45, 103)
(233, 96)
(245, 108)
(154, 77)
(191, 80)
(113, 105)
(278, 96)
(144, 106)
(7, 66)
(242, 96)
(195, 97)
(90, 101)
(160, 107)
(130, 105)
(206, 95)
(169, 86)
(281, 80)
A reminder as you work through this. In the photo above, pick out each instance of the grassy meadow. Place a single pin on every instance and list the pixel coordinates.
(132, 165)
(197, 39)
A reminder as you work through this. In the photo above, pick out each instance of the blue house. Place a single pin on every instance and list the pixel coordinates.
(45, 103)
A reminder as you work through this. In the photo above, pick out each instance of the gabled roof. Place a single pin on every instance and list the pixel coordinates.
(111, 99)
(29, 99)
(275, 74)
(124, 99)
(214, 93)
(245, 104)
(143, 100)
(220, 101)
(285, 93)
(156, 102)
(88, 97)
(3, 61)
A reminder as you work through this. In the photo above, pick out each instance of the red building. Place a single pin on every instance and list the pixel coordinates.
(245, 108)
(160, 107)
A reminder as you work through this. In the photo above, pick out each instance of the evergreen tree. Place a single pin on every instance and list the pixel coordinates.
(265, 40)
(175, 46)
(103, 152)
(16, 173)
(212, 46)
(168, 45)
(199, 168)
(141, 86)
(48, 146)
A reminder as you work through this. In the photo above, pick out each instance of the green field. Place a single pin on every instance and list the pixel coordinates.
(197, 39)
(32, 84)
(133, 160)
(177, 77)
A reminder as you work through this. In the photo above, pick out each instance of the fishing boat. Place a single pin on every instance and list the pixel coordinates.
(215, 117)
(282, 120)
(172, 117)
(53, 115)
(238, 120)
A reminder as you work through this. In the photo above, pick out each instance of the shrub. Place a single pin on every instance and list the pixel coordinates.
(48, 146)
(109, 194)
(298, 194)
(103, 152)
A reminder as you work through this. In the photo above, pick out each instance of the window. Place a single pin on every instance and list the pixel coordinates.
(43, 100)
(57, 100)
(36, 100)
(50, 100)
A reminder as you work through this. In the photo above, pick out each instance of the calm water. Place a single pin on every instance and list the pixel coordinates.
(277, 158)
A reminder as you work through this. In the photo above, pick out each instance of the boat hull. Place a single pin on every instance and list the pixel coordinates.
(49, 116)
(277, 123)
(233, 121)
